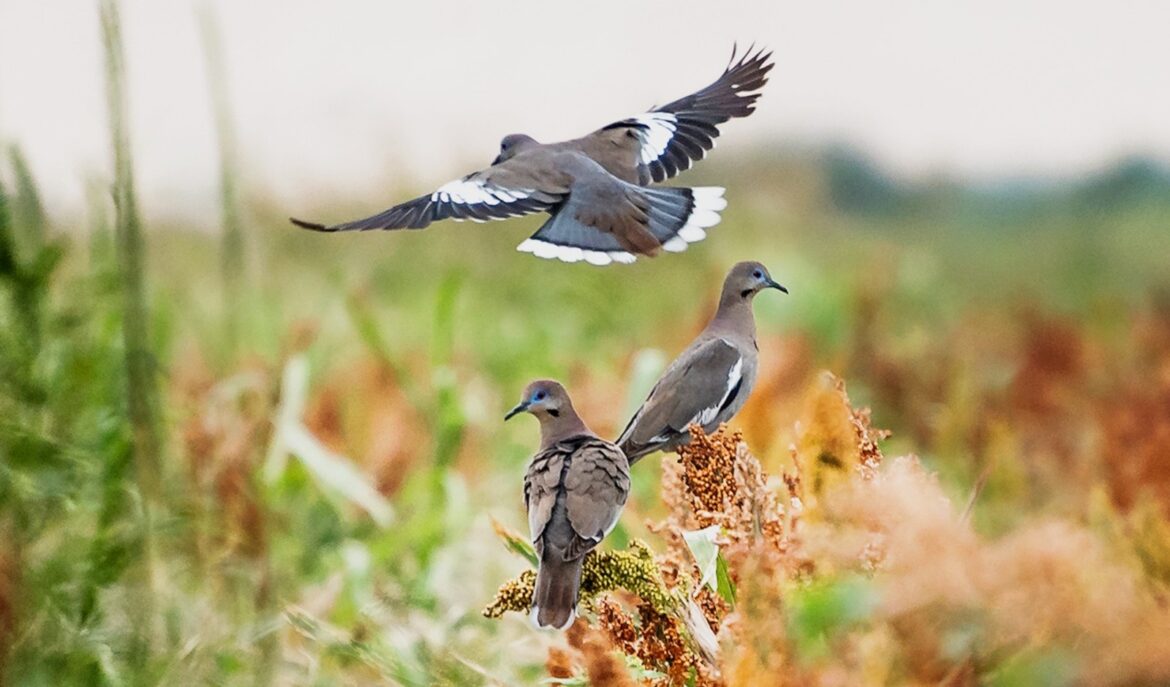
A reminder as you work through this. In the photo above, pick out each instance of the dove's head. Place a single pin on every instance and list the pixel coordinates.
(544, 398)
(746, 279)
(511, 145)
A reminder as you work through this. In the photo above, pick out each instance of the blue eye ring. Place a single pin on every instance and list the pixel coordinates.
(538, 396)
(758, 274)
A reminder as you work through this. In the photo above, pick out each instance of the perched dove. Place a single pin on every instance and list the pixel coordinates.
(574, 490)
(708, 382)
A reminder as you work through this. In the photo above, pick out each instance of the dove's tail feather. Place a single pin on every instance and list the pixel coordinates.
(558, 583)
(674, 218)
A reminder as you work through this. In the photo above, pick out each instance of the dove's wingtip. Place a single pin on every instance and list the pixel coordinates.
(312, 226)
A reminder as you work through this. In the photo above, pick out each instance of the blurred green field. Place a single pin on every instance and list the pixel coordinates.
(415, 345)
(301, 488)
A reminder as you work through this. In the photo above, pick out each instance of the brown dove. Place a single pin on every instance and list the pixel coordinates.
(574, 491)
(711, 379)
(595, 187)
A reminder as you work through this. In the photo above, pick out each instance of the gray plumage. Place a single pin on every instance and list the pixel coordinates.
(711, 379)
(595, 187)
(574, 490)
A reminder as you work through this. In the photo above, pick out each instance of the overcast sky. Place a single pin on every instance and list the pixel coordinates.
(350, 96)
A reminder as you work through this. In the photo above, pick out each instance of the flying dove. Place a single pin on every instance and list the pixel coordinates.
(594, 188)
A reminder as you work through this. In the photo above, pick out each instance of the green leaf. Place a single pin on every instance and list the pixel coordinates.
(294, 392)
(338, 474)
(706, 553)
(1041, 668)
(334, 472)
(516, 543)
(640, 672)
(648, 364)
(820, 610)
(725, 586)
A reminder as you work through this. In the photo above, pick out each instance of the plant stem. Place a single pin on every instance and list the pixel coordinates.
(141, 390)
(27, 209)
(232, 246)
(140, 383)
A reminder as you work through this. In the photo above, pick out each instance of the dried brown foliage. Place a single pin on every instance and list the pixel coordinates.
(713, 481)
(950, 606)
(716, 481)
(834, 441)
(1053, 364)
(1052, 583)
(559, 663)
(362, 412)
(755, 636)
(227, 428)
(603, 665)
(655, 638)
(589, 651)
(1135, 419)
(1135, 430)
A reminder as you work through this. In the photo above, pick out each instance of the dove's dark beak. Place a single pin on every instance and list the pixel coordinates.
(520, 408)
(497, 160)
(773, 285)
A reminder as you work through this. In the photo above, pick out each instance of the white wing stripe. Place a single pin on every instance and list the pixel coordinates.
(733, 377)
(476, 192)
(656, 137)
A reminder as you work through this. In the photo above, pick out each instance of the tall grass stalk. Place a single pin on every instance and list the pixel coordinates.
(449, 420)
(7, 247)
(26, 260)
(232, 265)
(28, 212)
(131, 255)
(100, 247)
(140, 382)
(232, 242)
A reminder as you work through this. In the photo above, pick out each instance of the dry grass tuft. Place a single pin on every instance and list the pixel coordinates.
(226, 430)
(603, 665)
(654, 638)
(834, 440)
(362, 411)
(1135, 437)
(559, 664)
(954, 602)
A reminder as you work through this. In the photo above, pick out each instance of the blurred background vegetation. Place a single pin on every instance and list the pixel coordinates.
(274, 457)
